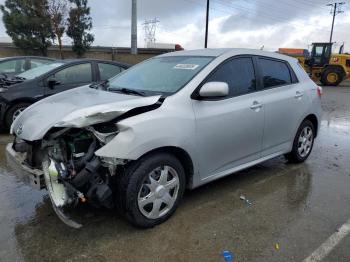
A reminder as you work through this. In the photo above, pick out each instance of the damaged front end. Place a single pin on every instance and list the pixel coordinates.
(73, 174)
(62, 153)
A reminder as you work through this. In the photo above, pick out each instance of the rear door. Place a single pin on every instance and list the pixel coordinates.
(229, 130)
(284, 101)
(70, 77)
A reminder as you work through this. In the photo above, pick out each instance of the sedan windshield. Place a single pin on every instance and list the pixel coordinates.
(162, 75)
(38, 71)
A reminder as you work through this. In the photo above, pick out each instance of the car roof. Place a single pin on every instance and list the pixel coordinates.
(217, 52)
(79, 60)
(21, 57)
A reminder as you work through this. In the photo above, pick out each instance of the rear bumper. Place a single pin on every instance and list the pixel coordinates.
(28, 175)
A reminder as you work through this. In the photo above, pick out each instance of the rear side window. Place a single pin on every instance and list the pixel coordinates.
(274, 73)
(238, 73)
(108, 70)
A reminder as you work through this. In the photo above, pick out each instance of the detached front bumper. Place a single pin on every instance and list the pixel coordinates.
(30, 176)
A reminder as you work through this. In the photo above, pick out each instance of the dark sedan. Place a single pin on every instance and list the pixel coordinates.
(21, 91)
(11, 66)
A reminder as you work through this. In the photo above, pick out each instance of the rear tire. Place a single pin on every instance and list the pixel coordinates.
(332, 76)
(303, 143)
(150, 189)
(14, 112)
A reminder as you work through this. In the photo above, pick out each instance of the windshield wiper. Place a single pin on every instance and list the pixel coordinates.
(19, 78)
(128, 91)
(103, 84)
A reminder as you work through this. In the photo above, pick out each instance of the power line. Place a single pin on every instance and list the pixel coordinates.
(336, 9)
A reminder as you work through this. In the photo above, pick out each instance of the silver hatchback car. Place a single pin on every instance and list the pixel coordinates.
(175, 121)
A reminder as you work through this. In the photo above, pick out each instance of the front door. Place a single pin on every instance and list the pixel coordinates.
(229, 131)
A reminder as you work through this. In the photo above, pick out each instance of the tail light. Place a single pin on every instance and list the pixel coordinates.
(319, 91)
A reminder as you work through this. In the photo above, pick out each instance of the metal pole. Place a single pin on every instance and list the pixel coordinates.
(334, 13)
(206, 26)
(134, 27)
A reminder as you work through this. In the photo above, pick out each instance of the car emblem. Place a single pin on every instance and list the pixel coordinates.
(19, 130)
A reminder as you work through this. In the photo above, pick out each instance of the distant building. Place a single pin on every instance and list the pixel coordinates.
(164, 46)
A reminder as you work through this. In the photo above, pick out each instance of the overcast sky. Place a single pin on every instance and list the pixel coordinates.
(233, 23)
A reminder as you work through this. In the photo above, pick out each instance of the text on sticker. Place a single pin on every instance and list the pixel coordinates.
(186, 66)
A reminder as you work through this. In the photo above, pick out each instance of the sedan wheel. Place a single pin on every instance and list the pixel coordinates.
(17, 113)
(150, 189)
(158, 193)
(305, 141)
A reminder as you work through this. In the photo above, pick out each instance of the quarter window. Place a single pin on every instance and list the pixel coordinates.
(75, 74)
(108, 70)
(238, 73)
(274, 73)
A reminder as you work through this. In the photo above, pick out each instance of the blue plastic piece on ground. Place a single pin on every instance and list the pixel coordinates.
(228, 256)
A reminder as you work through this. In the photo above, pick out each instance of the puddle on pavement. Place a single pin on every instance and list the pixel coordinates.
(210, 219)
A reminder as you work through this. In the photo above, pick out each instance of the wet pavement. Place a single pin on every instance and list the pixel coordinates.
(295, 206)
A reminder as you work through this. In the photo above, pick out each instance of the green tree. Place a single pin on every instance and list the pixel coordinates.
(79, 23)
(28, 24)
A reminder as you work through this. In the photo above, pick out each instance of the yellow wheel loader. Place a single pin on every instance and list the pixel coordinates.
(323, 66)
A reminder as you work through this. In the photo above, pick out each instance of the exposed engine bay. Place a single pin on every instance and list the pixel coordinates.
(73, 174)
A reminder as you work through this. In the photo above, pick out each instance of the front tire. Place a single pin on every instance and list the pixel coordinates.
(14, 112)
(150, 189)
(303, 142)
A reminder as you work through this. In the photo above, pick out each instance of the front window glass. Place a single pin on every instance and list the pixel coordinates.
(165, 75)
(238, 73)
(38, 71)
(318, 50)
(75, 74)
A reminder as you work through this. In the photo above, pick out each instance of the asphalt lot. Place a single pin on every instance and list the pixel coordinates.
(297, 207)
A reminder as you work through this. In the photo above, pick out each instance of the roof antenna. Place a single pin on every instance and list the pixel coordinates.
(262, 47)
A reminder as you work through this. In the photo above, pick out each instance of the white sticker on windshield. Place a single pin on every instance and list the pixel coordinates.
(186, 66)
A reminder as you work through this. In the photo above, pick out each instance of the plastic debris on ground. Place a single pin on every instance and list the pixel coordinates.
(228, 256)
(245, 199)
(277, 246)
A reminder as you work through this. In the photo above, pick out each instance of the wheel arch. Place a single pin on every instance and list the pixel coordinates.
(182, 155)
(314, 121)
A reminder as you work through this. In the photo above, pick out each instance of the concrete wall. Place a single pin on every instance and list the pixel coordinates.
(121, 54)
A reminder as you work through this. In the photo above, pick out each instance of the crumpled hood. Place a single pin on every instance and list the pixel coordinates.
(78, 107)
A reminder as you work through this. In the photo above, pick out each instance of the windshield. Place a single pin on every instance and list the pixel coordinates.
(164, 75)
(38, 71)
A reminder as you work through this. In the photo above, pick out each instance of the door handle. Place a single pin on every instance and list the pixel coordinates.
(255, 105)
(298, 94)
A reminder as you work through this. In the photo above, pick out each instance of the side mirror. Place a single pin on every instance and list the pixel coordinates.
(51, 83)
(214, 89)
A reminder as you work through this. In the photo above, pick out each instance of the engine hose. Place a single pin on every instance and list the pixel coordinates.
(80, 164)
(84, 175)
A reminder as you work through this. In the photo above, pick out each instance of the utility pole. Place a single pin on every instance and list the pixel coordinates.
(134, 27)
(336, 9)
(206, 26)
